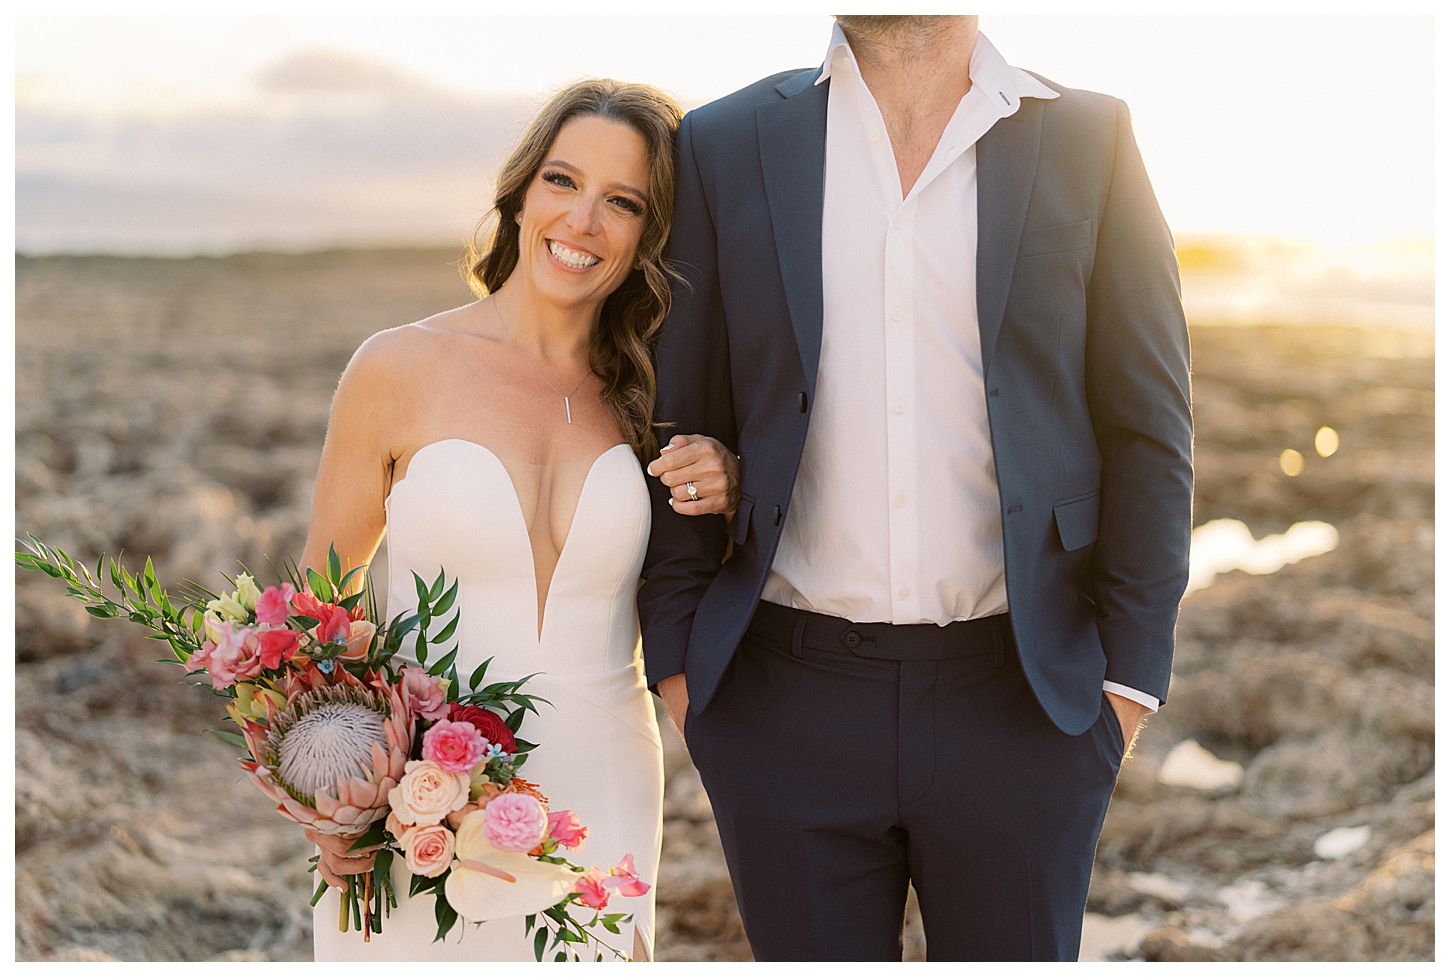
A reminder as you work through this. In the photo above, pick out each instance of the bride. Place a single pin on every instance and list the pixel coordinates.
(503, 441)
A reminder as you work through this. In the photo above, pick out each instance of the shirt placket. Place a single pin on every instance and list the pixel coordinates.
(901, 414)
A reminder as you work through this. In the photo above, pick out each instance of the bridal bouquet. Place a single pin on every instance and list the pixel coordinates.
(374, 756)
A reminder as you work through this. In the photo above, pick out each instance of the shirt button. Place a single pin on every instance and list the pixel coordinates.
(875, 137)
(901, 501)
(896, 223)
(900, 407)
(904, 593)
(897, 315)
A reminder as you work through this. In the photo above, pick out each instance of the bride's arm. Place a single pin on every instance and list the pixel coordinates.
(353, 478)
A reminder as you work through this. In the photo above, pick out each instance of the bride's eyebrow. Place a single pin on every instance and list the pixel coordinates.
(566, 165)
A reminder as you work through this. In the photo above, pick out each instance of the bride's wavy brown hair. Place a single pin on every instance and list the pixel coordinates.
(621, 344)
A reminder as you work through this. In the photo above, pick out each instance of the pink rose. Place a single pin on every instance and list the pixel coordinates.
(427, 793)
(234, 656)
(514, 822)
(429, 851)
(591, 888)
(456, 747)
(277, 646)
(272, 605)
(564, 827)
(625, 880)
(424, 694)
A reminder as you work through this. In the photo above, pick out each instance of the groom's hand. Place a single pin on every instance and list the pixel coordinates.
(677, 699)
(1130, 717)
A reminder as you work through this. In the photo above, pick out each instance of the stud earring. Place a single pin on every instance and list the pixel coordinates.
(519, 219)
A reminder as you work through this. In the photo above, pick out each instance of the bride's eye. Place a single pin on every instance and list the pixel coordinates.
(559, 180)
(626, 203)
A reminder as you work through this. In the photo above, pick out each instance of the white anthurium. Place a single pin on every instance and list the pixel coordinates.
(487, 883)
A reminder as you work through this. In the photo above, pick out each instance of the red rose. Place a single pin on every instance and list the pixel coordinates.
(488, 724)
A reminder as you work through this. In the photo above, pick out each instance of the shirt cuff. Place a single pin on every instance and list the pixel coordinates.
(1142, 698)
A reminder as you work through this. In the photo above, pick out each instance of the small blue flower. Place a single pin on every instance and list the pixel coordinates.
(325, 667)
(494, 750)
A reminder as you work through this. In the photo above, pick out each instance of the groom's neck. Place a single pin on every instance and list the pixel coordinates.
(918, 69)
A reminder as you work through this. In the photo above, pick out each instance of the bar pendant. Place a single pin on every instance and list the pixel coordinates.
(567, 415)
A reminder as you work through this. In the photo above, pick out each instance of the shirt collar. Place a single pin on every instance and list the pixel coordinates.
(989, 71)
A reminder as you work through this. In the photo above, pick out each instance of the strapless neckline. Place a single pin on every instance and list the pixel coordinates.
(540, 614)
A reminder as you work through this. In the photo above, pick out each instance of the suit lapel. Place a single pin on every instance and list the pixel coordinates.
(792, 134)
(1006, 166)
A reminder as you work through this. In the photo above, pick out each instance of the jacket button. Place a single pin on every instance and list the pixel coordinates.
(852, 639)
(777, 515)
(802, 402)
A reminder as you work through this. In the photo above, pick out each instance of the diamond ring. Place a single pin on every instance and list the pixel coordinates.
(694, 496)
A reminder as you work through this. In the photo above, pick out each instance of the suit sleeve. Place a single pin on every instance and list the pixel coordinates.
(693, 397)
(1138, 396)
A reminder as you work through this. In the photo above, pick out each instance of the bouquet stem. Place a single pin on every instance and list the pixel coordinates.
(367, 907)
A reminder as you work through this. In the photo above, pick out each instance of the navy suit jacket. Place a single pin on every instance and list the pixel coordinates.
(1084, 354)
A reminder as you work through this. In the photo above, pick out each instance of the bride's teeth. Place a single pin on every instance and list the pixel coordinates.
(570, 257)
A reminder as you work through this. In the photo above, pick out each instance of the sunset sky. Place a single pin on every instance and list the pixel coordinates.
(177, 134)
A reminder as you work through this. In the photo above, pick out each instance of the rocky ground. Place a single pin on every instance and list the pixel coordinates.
(177, 408)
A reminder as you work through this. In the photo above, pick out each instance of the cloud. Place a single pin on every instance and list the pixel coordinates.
(335, 149)
(325, 70)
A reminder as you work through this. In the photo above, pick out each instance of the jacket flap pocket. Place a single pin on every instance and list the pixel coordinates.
(1077, 521)
(1050, 240)
(740, 525)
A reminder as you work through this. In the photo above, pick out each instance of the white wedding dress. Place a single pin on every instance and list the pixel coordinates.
(599, 749)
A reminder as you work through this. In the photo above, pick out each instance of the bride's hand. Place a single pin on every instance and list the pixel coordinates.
(709, 465)
(337, 861)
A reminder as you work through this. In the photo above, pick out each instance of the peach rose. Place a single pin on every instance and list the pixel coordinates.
(427, 793)
(360, 635)
(429, 850)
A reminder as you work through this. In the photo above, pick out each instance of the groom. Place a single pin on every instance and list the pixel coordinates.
(932, 304)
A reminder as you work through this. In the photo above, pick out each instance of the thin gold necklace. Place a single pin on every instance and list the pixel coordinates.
(568, 415)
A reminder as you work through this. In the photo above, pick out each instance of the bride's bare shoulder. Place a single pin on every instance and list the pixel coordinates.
(400, 351)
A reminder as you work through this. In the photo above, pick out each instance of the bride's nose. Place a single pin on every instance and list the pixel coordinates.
(584, 215)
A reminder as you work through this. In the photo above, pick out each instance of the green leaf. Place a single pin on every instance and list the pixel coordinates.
(420, 648)
(478, 674)
(383, 864)
(446, 601)
(348, 603)
(374, 835)
(227, 737)
(347, 580)
(422, 589)
(446, 917)
(612, 927)
(99, 612)
(436, 591)
(444, 662)
(334, 565)
(448, 629)
(539, 940)
(560, 957)
(319, 586)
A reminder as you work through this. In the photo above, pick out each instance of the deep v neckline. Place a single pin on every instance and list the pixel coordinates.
(540, 612)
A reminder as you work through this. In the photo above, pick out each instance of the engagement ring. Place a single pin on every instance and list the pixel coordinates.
(694, 496)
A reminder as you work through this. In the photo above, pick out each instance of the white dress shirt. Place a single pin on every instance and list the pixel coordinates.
(919, 538)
